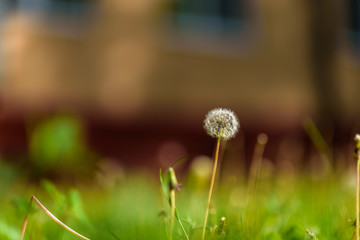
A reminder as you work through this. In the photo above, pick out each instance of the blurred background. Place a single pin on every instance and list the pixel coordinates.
(88, 85)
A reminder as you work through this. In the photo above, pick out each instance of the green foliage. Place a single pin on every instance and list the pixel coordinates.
(8, 232)
(130, 211)
(57, 197)
(58, 144)
(76, 206)
(165, 184)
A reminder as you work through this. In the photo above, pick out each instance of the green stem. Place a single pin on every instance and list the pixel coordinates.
(357, 196)
(183, 229)
(172, 212)
(211, 188)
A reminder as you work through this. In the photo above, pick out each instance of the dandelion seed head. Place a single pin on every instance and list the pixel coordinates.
(221, 123)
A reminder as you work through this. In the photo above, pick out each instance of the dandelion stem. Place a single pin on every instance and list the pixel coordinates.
(51, 216)
(211, 187)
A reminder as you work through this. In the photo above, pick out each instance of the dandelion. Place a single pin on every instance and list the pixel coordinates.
(221, 124)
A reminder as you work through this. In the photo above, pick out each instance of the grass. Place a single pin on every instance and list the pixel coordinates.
(270, 204)
(285, 208)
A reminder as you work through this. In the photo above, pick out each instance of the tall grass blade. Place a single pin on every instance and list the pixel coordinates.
(51, 216)
(165, 183)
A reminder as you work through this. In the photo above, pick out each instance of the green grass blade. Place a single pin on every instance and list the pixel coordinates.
(165, 183)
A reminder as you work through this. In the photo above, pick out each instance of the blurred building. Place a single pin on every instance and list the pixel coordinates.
(158, 64)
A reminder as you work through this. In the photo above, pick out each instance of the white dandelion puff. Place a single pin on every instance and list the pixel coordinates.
(221, 123)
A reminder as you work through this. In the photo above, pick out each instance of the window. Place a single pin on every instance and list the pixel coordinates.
(68, 8)
(207, 16)
(213, 26)
(354, 22)
(65, 17)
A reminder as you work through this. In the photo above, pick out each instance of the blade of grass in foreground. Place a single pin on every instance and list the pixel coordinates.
(165, 188)
(319, 143)
(51, 216)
